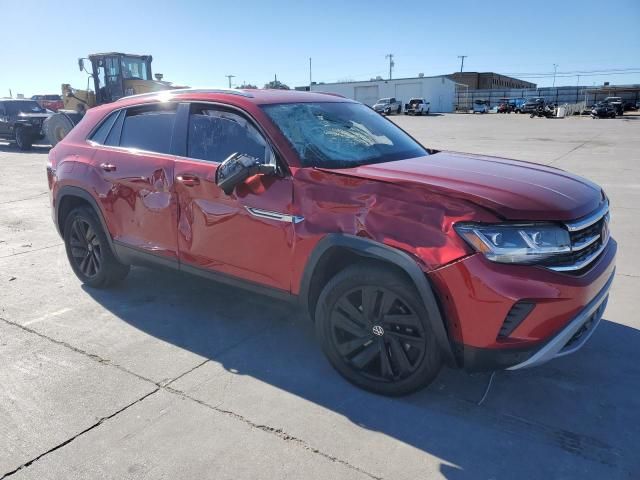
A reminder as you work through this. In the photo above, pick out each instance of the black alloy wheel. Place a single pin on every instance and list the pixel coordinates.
(86, 250)
(89, 251)
(377, 333)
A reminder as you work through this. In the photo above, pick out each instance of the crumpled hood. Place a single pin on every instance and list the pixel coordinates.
(513, 189)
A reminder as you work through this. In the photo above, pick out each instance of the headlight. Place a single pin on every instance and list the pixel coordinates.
(523, 243)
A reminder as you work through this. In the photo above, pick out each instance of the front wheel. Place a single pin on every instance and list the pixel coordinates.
(375, 331)
(89, 252)
(24, 141)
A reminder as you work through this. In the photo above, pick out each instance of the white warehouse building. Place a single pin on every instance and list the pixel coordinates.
(439, 91)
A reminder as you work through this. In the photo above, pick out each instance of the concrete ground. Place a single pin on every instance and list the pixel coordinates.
(170, 376)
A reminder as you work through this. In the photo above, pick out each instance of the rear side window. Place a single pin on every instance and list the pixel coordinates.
(216, 134)
(149, 128)
(100, 135)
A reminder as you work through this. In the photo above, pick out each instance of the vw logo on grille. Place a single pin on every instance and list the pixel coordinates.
(378, 330)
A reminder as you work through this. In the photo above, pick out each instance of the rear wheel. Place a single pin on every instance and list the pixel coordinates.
(375, 331)
(89, 252)
(24, 140)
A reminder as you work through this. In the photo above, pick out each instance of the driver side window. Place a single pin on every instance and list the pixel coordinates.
(214, 134)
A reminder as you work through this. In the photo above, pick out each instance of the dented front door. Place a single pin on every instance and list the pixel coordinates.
(248, 234)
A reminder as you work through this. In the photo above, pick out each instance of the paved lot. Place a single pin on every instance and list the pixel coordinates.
(170, 376)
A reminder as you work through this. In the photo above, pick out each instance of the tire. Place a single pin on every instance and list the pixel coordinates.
(24, 141)
(56, 127)
(89, 252)
(399, 111)
(391, 358)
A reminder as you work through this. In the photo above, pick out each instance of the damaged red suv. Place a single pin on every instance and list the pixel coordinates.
(406, 258)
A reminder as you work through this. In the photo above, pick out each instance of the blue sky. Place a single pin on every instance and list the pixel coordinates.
(197, 43)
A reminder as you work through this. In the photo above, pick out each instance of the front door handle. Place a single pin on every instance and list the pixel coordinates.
(108, 167)
(188, 180)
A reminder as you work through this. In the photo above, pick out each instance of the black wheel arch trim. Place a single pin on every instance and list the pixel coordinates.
(71, 191)
(369, 248)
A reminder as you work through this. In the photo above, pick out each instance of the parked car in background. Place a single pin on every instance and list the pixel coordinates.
(617, 103)
(417, 106)
(604, 110)
(532, 104)
(506, 105)
(388, 106)
(481, 106)
(50, 102)
(405, 257)
(21, 122)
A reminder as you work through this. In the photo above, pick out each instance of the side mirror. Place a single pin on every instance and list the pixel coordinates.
(81, 64)
(237, 168)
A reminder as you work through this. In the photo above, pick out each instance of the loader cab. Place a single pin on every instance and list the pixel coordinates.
(117, 75)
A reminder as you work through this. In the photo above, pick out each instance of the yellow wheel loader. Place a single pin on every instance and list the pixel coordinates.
(115, 75)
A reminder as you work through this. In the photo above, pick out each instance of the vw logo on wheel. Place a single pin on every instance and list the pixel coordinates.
(378, 330)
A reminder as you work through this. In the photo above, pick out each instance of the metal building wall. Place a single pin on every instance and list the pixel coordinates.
(440, 91)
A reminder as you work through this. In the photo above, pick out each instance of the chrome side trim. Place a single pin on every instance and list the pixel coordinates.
(589, 220)
(555, 347)
(280, 217)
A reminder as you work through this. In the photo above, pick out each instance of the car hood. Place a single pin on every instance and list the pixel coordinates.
(513, 189)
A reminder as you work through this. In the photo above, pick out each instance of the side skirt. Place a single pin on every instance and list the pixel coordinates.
(136, 256)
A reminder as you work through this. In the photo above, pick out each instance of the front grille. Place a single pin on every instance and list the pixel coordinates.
(588, 237)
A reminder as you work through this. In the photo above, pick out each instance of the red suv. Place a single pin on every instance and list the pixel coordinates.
(405, 257)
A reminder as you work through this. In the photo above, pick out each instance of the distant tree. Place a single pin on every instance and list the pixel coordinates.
(277, 84)
(247, 86)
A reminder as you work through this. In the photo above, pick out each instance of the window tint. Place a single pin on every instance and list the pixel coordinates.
(149, 129)
(216, 134)
(100, 135)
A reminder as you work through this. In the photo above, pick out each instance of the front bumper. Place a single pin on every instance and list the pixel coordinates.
(572, 337)
(477, 297)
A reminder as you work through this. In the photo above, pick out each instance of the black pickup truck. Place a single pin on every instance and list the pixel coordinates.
(21, 121)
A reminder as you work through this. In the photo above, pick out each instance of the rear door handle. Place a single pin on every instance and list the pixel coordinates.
(188, 180)
(108, 167)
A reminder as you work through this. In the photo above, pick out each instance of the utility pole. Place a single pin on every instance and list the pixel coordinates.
(391, 63)
(310, 82)
(229, 77)
(462, 62)
(555, 69)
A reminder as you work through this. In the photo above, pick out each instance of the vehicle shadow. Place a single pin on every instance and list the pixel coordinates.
(10, 148)
(579, 411)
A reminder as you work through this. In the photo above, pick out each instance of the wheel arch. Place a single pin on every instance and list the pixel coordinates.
(336, 251)
(70, 197)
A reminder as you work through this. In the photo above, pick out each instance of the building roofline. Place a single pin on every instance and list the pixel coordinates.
(380, 80)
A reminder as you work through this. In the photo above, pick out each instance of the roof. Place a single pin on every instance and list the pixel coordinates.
(108, 54)
(255, 96)
(319, 85)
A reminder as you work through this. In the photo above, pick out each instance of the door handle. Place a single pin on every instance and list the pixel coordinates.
(108, 167)
(188, 180)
